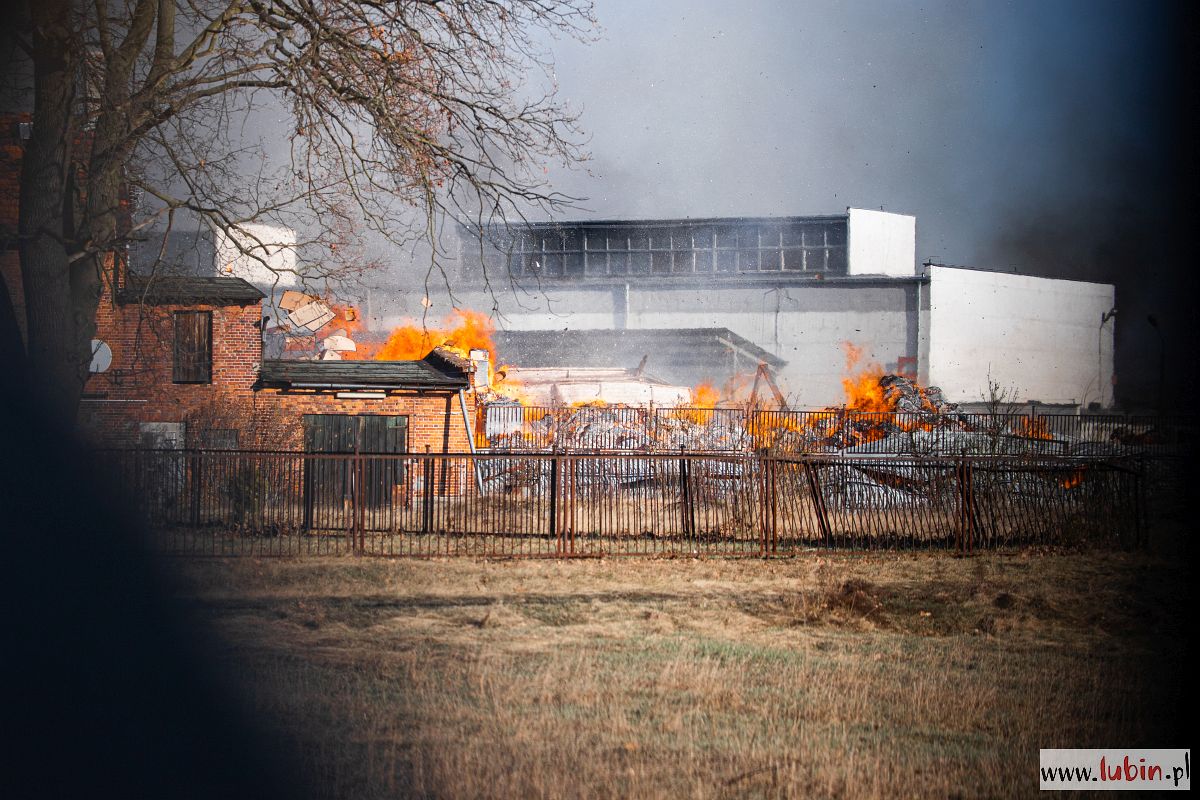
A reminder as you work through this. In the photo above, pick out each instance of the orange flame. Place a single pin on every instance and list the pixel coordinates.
(349, 319)
(1034, 429)
(704, 398)
(504, 385)
(461, 332)
(346, 317)
(863, 392)
(705, 395)
(1071, 479)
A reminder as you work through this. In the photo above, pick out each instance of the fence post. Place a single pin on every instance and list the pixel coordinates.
(1139, 504)
(573, 499)
(686, 496)
(197, 483)
(554, 528)
(814, 488)
(773, 494)
(966, 506)
(360, 498)
(763, 523)
(427, 494)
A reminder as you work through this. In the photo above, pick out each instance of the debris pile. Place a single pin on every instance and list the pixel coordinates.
(905, 395)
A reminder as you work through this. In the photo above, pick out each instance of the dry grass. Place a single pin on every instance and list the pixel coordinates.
(863, 676)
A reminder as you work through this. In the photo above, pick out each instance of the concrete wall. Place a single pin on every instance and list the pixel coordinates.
(882, 243)
(1040, 338)
(805, 325)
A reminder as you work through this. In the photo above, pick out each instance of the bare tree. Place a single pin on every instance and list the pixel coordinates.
(394, 113)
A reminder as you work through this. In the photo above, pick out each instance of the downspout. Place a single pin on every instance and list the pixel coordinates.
(462, 404)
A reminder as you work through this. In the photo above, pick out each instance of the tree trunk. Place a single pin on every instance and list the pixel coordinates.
(55, 359)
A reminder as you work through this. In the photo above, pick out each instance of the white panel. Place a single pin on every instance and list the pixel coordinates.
(882, 243)
(1041, 338)
(270, 254)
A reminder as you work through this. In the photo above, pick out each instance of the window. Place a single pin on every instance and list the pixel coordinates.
(219, 438)
(193, 347)
(583, 251)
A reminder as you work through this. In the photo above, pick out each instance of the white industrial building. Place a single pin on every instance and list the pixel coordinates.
(702, 298)
(260, 254)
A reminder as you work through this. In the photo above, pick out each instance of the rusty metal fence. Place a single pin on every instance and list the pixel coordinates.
(512, 428)
(592, 504)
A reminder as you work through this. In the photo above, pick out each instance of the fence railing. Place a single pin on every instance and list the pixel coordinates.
(511, 428)
(592, 504)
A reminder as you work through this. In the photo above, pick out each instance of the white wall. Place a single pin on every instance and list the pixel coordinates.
(882, 243)
(1040, 337)
(262, 243)
(806, 326)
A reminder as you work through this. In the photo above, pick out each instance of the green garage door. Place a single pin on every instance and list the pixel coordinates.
(330, 485)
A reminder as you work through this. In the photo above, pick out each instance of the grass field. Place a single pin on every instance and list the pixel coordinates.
(821, 676)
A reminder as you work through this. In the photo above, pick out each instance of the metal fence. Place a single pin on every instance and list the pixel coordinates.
(593, 504)
(511, 428)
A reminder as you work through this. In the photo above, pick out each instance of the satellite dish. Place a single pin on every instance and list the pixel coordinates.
(101, 356)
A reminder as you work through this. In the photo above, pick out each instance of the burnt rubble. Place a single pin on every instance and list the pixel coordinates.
(923, 423)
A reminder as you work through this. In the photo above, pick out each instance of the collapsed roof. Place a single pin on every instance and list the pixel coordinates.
(678, 355)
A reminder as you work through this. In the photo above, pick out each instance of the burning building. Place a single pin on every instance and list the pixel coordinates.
(179, 362)
(699, 296)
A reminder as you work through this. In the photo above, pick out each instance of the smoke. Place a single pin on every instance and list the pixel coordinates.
(1033, 137)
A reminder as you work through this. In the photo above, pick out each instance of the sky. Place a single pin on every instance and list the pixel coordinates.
(1035, 137)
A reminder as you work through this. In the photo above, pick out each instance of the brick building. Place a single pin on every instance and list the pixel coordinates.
(178, 362)
(185, 367)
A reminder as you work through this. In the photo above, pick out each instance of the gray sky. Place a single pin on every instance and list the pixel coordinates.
(969, 115)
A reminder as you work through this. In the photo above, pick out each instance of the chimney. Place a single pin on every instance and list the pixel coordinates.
(483, 370)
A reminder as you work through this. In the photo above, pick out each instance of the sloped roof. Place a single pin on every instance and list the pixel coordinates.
(430, 372)
(185, 289)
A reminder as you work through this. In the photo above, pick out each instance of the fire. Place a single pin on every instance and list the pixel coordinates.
(504, 385)
(461, 332)
(705, 395)
(1071, 479)
(863, 391)
(1034, 429)
(346, 317)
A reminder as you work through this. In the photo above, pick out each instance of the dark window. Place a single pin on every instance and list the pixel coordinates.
(584, 252)
(219, 439)
(572, 264)
(193, 347)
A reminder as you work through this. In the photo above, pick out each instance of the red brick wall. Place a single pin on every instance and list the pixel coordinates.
(429, 424)
(138, 387)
